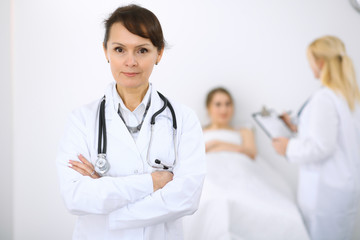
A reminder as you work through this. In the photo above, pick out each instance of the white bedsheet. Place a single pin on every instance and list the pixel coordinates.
(244, 199)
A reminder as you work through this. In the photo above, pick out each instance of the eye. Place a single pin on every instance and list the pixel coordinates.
(118, 49)
(143, 50)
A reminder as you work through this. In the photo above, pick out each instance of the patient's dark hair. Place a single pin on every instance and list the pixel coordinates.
(139, 21)
(212, 93)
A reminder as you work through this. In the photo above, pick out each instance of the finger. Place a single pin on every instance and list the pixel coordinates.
(85, 161)
(169, 173)
(83, 170)
(79, 170)
(281, 139)
(276, 145)
(212, 143)
(95, 175)
(82, 166)
(78, 166)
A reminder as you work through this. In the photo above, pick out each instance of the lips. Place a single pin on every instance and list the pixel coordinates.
(130, 74)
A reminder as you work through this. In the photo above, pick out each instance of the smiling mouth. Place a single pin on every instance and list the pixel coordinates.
(130, 74)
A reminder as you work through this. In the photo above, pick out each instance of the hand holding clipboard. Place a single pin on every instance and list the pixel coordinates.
(273, 125)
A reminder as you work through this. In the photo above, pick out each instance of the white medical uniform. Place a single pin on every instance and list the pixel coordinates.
(122, 205)
(328, 149)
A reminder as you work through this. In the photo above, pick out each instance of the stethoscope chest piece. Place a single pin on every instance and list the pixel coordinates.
(102, 166)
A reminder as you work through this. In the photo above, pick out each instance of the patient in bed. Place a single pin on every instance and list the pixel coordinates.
(219, 135)
(243, 197)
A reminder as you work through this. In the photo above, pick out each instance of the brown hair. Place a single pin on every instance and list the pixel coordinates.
(139, 21)
(211, 94)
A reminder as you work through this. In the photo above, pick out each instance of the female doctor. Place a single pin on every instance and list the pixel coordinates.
(327, 145)
(131, 164)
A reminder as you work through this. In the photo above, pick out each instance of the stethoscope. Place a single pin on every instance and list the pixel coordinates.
(102, 165)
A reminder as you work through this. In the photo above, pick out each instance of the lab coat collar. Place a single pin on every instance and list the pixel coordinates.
(143, 138)
(118, 100)
(113, 100)
(116, 126)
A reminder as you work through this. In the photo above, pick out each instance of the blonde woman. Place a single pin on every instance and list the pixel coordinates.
(327, 145)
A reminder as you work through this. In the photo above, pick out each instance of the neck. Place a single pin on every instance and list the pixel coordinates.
(132, 97)
(219, 126)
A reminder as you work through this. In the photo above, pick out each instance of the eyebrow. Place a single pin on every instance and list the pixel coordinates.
(141, 45)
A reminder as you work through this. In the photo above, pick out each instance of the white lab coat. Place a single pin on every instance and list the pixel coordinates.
(328, 150)
(123, 205)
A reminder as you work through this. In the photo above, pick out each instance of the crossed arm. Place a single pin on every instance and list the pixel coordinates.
(247, 147)
(85, 168)
(136, 200)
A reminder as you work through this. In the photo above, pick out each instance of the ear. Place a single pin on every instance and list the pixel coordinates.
(320, 63)
(105, 52)
(159, 56)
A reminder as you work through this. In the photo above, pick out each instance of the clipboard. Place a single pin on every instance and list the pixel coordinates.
(271, 124)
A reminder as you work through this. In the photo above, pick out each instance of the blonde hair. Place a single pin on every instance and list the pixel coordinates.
(338, 71)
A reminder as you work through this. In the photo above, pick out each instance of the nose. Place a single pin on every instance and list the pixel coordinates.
(130, 60)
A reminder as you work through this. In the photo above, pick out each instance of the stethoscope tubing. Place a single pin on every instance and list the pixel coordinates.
(102, 138)
(102, 129)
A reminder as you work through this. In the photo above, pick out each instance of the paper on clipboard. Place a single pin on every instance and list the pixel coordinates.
(272, 125)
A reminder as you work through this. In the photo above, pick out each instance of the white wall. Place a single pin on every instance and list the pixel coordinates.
(6, 147)
(254, 48)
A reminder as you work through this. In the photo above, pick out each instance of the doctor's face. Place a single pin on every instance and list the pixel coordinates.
(220, 109)
(131, 57)
(314, 64)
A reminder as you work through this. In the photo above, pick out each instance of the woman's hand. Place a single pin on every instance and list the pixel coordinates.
(161, 178)
(280, 145)
(84, 167)
(287, 120)
(211, 145)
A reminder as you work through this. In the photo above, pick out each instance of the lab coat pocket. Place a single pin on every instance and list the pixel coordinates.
(162, 146)
(308, 189)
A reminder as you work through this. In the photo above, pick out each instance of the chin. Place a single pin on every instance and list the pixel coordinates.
(131, 83)
(223, 123)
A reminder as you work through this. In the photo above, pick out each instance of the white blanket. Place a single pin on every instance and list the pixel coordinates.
(244, 199)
